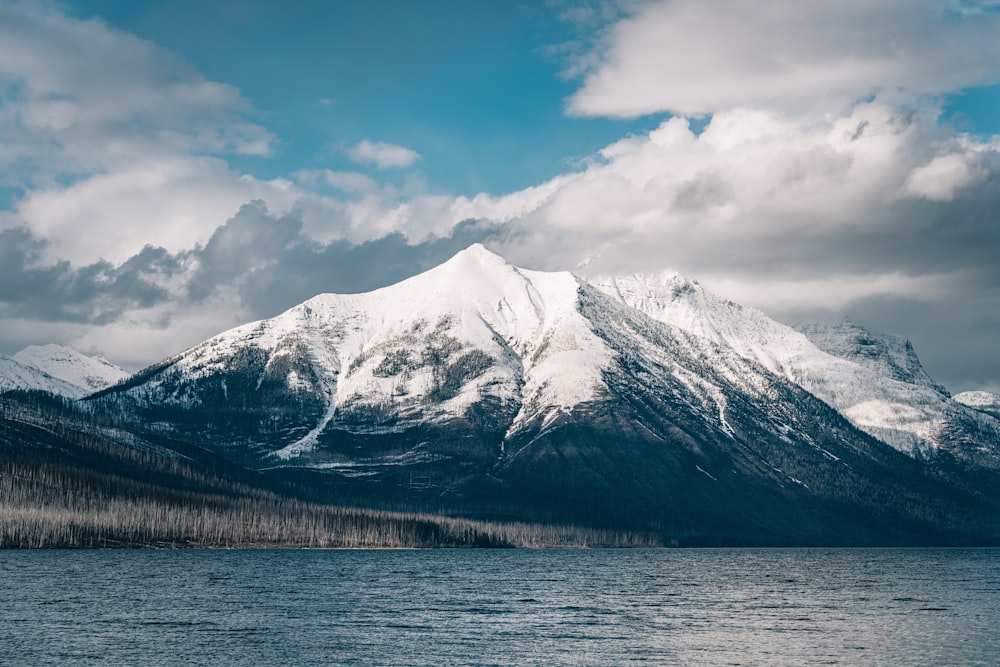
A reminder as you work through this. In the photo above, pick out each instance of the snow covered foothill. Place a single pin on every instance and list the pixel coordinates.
(91, 373)
(58, 370)
(983, 401)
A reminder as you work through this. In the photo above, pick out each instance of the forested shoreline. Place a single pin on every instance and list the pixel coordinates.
(45, 508)
(67, 485)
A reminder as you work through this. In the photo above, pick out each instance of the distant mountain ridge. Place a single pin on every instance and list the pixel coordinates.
(477, 331)
(983, 401)
(59, 370)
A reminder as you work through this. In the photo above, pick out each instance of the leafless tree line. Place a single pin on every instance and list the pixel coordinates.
(46, 508)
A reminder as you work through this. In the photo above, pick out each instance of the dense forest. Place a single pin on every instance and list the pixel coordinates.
(73, 483)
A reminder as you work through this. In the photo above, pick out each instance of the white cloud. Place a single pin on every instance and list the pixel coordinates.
(692, 57)
(382, 155)
(109, 139)
(173, 202)
(775, 203)
(78, 97)
(833, 294)
(943, 177)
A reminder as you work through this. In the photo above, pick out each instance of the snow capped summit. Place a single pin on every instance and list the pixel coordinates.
(58, 370)
(17, 376)
(427, 350)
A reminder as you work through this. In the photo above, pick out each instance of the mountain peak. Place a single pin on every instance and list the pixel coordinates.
(84, 372)
(477, 255)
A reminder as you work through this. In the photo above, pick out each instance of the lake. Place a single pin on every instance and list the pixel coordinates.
(502, 607)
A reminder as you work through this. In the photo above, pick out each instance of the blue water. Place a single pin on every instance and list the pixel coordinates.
(467, 607)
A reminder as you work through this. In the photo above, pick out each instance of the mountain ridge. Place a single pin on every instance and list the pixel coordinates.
(59, 370)
(908, 411)
(484, 390)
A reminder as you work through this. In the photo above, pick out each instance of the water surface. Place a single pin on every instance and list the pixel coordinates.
(469, 607)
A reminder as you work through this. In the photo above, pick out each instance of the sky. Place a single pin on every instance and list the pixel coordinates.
(172, 169)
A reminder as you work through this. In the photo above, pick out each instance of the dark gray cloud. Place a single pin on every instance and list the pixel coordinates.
(267, 260)
(274, 265)
(97, 293)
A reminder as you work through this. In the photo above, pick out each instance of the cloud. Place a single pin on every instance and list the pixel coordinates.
(97, 293)
(382, 155)
(943, 176)
(171, 201)
(693, 58)
(109, 143)
(760, 194)
(271, 263)
(345, 181)
(79, 97)
(157, 302)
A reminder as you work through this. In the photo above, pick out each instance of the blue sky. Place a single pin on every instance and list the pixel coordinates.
(476, 88)
(171, 169)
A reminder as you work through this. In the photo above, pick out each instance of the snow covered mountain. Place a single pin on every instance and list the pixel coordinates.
(983, 401)
(89, 373)
(58, 370)
(473, 333)
(15, 375)
(889, 356)
(875, 381)
(491, 390)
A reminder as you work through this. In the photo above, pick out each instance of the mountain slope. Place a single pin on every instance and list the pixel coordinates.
(888, 356)
(58, 370)
(90, 374)
(474, 335)
(887, 394)
(17, 376)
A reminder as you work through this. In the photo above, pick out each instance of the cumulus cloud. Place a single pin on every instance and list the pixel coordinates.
(110, 142)
(693, 58)
(80, 97)
(173, 202)
(382, 155)
(761, 197)
(941, 178)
